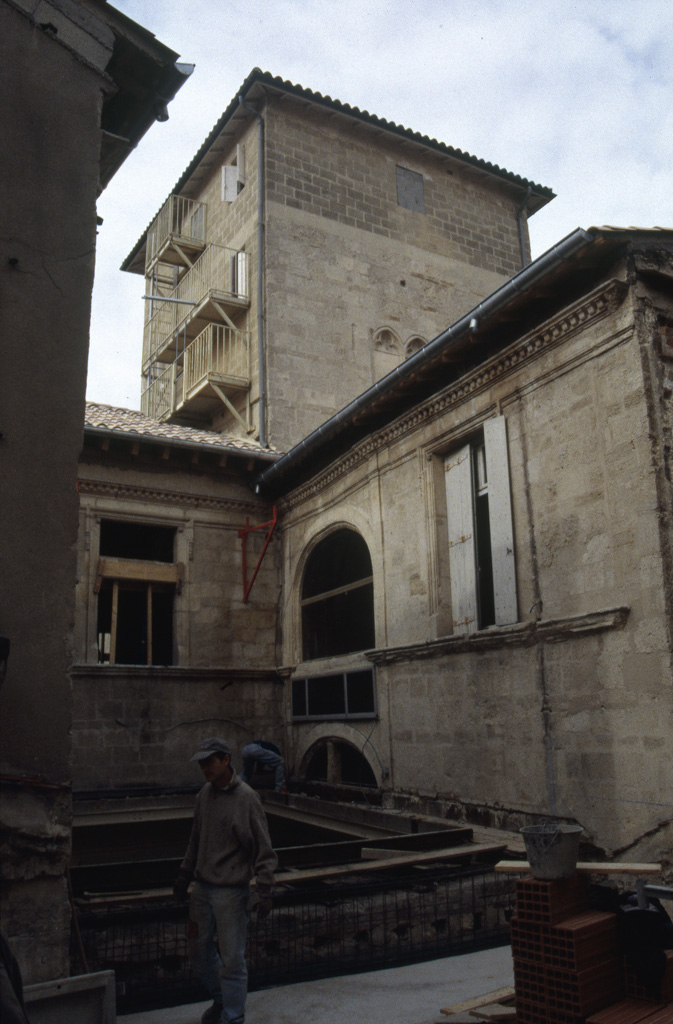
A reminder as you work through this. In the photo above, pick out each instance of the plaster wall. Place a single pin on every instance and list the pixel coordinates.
(51, 112)
(568, 712)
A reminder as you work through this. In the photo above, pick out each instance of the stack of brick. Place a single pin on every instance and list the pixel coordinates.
(566, 959)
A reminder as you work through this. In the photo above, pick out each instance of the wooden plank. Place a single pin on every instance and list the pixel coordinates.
(610, 868)
(408, 860)
(468, 851)
(473, 1004)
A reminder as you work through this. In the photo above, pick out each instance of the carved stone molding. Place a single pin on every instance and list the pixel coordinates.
(592, 308)
(523, 634)
(157, 496)
(173, 674)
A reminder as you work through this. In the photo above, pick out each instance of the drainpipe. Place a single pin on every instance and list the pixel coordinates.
(520, 213)
(260, 270)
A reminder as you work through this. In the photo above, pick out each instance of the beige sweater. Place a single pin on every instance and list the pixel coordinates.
(230, 841)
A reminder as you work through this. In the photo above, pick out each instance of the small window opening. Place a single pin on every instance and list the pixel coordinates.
(339, 763)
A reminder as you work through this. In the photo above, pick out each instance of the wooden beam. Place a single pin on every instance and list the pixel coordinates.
(466, 852)
(596, 867)
(499, 996)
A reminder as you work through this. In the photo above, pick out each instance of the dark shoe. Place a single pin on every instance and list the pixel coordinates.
(213, 1014)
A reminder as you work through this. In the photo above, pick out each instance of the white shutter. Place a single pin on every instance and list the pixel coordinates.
(462, 565)
(229, 183)
(241, 274)
(500, 517)
(240, 163)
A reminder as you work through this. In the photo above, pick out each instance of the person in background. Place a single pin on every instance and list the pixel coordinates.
(268, 757)
(228, 846)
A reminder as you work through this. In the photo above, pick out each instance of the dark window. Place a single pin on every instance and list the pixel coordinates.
(136, 540)
(135, 600)
(336, 695)
(339, 763)
(338, 597)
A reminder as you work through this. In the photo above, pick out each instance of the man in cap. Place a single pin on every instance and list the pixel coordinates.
(228, 846)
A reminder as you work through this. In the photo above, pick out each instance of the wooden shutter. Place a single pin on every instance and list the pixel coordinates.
(229, 183)
(500, 520)
(462, 565)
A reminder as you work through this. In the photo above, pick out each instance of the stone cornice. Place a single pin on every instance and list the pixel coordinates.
(174, 673)
(593, 307)
(521, 634)
(159, 496)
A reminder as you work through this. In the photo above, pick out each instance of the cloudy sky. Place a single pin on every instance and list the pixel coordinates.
(577, 96)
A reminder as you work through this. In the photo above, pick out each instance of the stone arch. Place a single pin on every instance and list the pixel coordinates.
(414, 344)
(385, 339)
(338, 761)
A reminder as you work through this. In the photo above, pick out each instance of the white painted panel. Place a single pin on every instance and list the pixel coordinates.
(229, 183)
(462, 566)
(500, 516)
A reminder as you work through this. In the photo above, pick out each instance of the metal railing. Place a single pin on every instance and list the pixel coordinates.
(314, 931)
(217, 352)
(178, 218)
(164, 393)
(218, 269)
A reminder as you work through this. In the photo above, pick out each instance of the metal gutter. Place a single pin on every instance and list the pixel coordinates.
(517, 285)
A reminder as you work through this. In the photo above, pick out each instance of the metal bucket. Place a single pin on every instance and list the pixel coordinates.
(552, 849)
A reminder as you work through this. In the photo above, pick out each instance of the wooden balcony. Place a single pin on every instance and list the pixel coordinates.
(216, 287)
(212, 369)
(177, 234)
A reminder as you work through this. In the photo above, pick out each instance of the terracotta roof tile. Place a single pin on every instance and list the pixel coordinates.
(129, 421)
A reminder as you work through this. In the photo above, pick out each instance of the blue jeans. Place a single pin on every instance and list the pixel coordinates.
(220, 910)
(267, 759)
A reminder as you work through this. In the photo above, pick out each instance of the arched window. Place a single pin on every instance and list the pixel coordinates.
(338, 763)
(413, 345)
(337, 597)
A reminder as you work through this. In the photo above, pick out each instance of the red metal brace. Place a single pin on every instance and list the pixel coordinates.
(243, 534)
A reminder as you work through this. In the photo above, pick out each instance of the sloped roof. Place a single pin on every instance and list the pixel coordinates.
(110, 419)
(531, 295)
(263, 80)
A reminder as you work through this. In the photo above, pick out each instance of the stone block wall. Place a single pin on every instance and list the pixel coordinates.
(566, 712)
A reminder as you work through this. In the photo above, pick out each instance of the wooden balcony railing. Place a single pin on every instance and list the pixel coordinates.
(179, 220)
(219, 354)
(219, 272)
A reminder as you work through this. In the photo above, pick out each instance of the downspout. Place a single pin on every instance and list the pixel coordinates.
(260, 271)
(520, 213)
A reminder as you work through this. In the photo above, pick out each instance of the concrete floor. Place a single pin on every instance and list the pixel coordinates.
(400, 995)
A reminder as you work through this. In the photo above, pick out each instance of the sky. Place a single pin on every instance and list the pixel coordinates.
(576, 96)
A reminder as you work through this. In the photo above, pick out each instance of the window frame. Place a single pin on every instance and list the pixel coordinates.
(141, 573)
(346, 715)
(464, 485)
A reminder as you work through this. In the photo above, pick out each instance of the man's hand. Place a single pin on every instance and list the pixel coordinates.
(181, 885)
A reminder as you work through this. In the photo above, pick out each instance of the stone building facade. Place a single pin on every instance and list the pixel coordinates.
(81, 84)
(172, 641)
(320, 245)
(477, 560)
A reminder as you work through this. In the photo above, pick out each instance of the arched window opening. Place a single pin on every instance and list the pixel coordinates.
(386, 340)
(337, 597)
(413, 345)
(339, 764)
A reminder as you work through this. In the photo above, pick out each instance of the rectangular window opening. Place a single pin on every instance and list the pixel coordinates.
(337, 695)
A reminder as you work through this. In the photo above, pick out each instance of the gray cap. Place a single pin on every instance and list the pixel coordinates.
(213, 745)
